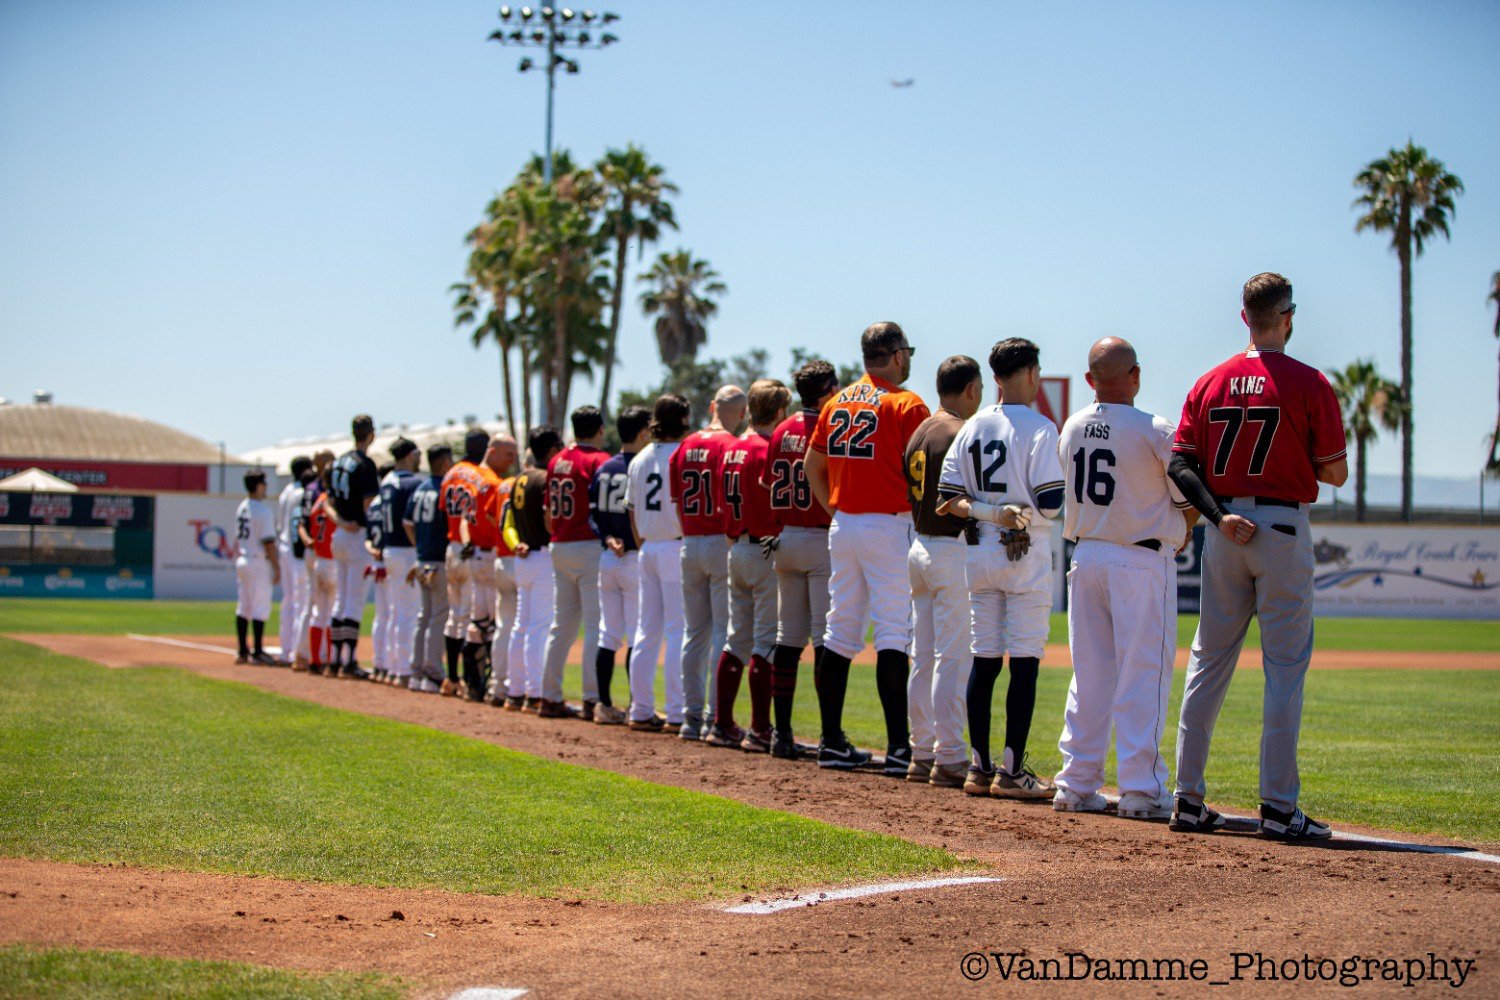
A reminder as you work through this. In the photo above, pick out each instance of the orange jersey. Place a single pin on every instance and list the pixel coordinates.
(485, 529)
(321, 527)
(463, 493)
(863, 431)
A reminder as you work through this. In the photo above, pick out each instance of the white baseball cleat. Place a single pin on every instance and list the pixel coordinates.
(1135, 805)
(1071, 802)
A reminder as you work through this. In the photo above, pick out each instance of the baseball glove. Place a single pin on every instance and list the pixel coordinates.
(1017, 543)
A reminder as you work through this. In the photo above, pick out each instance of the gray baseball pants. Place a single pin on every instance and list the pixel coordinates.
(427, 649)
(575, 574)
(705, 612)
(752, 601)
(802, 572)
(1270, 579)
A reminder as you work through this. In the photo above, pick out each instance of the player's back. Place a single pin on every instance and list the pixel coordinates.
(320, 528)
(696, 468)
(1115, 460)
(1005, 454)
(429, 523)
(460, 496)
(648, 496)
(607, 498)
(528, 507)
(351, 480)
(569, 474)
(863, 431)
(1259, 424)
(747, 500)
(792, 500)
(396, 491)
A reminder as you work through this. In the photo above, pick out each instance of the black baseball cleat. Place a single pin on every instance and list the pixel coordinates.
(1189, 817)
(841, 755)
(315, 668)
(1291, 826)
(354, 671)
(897, 762)
(786, 748)
(265, 659)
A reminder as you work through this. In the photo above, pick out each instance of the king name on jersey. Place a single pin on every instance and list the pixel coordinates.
(1247, 385)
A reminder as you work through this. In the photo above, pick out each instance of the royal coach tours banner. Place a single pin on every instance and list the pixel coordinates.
(1407, 572)
(195, 547)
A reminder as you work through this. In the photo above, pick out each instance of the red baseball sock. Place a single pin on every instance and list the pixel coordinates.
(315, 638)
(760, 693)
(729, 671)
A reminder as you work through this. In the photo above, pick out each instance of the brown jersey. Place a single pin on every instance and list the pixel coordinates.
(925, 452)
(528, 508)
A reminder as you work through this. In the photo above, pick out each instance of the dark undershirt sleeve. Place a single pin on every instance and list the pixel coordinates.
(1049, 501)
(1186, 473)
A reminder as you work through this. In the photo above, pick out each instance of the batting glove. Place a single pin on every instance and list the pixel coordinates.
(769, 544)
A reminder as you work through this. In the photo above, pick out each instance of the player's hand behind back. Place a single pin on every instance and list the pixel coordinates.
(1237, 529)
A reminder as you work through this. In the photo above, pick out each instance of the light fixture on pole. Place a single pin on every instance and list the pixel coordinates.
(552, 28)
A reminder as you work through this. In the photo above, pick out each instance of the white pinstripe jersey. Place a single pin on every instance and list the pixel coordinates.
(1006, 453)
(1116, 459)
(648, 496)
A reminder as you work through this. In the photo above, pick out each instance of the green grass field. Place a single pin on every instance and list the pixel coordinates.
(57, 973)
(97, 617)
(166, 768)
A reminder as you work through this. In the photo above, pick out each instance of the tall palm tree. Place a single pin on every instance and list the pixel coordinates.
(636, 209)
(1411, 196)
(680, 300)
(1369, 402)
(1492, 466)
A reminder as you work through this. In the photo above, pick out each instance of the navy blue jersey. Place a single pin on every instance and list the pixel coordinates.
(375, 530)
(395, 496)
(352, 482)
(429, 522)
(607, 500)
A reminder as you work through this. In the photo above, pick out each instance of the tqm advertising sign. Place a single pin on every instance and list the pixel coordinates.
(195, 548)
(1401, 571)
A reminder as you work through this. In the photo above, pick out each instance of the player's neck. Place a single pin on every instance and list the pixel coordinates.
(1270, 342)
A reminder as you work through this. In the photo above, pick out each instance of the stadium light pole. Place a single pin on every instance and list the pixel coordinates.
(553, 28)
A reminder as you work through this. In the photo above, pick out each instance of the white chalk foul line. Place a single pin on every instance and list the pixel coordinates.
(1398, 845)
(179, 642)
(488, 993)
(853, 892)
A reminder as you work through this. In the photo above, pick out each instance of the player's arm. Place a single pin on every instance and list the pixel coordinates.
(1329, 439)
(1335, 473)
(1187, 474)
(815, 467)
(1046, 472)
(508, 530)
(410, 528)
(634, 530)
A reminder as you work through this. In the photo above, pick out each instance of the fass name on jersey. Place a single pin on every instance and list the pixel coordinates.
(1100, 431)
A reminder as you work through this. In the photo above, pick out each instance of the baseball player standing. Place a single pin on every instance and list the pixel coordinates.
(256, 569)
(352, 486)
(403, 593)
(1001, 467)
(1126, 518)
(464, 489)
(380, 625)
(426, 525)
(619, 562)
(289, 552)
(658, 533)
(575, 558)
(526, 526)
(939, 588)
(313, 485)
(696, 485)
(856, 467)
(1257, 435)
(505, 583)
(802, 568)
(499, 460)
(318, 532)
(752, 529)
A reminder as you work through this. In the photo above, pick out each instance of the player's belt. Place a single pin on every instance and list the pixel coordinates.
(484, 548)
(1263, 501)
(1150, 543)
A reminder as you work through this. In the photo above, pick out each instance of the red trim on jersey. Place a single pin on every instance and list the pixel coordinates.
(568, 477)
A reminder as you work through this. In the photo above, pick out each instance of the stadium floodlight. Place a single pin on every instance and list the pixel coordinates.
(553, 29)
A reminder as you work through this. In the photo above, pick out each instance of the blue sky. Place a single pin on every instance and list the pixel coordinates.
(241, 219)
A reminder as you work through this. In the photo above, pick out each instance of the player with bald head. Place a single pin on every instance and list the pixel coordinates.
(501, 458)
(696, 481)
(1128, 520)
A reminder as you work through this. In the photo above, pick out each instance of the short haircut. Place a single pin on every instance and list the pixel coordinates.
(956, 374)
(731, 396)
(880, 341)
(254, 478)
(401, 447)
(670, 416)
(1266, 296)
(384, 469)
(436, 453)
(476, 443)
(631, 421)
(814, 380)
(363, 426)
(768, 397)
(587, 421)
(300, 465)
(1014, 354)
(542, 441)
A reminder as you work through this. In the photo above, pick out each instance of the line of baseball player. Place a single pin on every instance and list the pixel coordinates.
(719, 554)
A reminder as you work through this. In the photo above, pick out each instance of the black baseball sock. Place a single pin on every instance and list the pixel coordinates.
(351, 640)
(455, 648)
(628, 651)
(1020, 701)
(604, 671)
(473, 680)
(783, 686)
(340, 641)
(831, 677)
(259, 630)
(981, 690)
(241, 630)
(891, 669)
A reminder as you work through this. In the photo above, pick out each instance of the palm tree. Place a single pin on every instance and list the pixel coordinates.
(1410, 195)
(637, 209)
(680, 294)
(1369, 402)
(1492, 466)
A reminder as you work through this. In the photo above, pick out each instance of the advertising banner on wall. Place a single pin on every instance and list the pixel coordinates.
(195, 549)
(1406, 571)
(74, 581)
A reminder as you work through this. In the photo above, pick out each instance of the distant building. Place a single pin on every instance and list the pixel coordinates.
(278, 457)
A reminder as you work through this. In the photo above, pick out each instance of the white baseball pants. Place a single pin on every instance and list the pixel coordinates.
(533, 619)
(1122, 631)
(481, 592)
(505, 620)
(295, 589)
(660, 626)
(940, 661)
(253, 574)
(1010, 602)
(351, 587)
(405, 601)
(619, 600)
(869, 581)
(380, 628)
(460, 593)
(575, 568)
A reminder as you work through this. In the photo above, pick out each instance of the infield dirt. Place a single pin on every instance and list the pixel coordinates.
(1113, 888)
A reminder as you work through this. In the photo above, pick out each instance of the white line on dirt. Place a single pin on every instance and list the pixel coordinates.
(488, 993)
(180, 642)
(853, 892)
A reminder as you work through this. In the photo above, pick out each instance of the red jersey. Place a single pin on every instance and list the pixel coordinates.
(461, 494)
(1260, 424)
(863, 431)
(321, 527)
(568, 477)
(696, 467)
(792, 501)
(747, 499)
